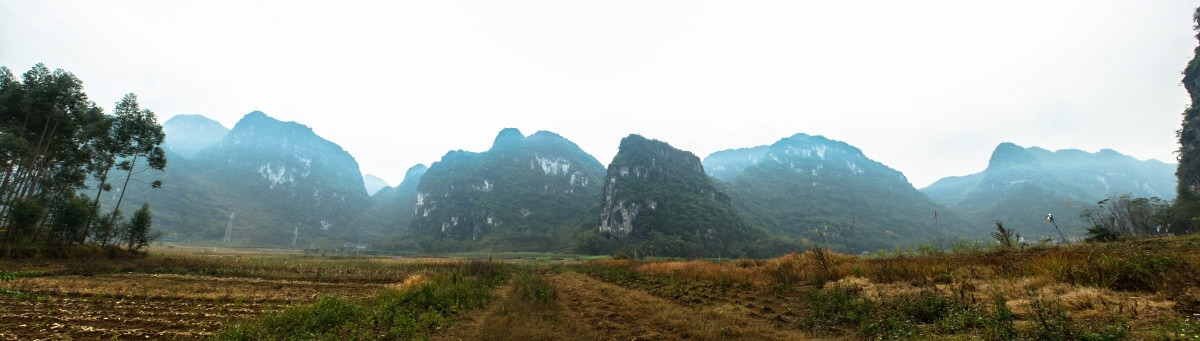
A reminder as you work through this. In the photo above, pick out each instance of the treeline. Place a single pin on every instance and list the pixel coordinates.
(54, 142)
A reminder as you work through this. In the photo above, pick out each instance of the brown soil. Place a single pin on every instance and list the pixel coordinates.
(148, 306)
(618, 313)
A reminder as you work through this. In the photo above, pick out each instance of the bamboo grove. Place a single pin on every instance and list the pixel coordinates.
(59, 153)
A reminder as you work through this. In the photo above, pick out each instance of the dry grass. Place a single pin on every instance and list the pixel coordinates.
(705, 270)
(810, 267)
(1137, 286)
(190, 287)
(189, 292)
(622, 313)
(413, 281)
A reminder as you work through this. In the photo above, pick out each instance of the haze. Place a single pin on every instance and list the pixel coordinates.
(928, 88)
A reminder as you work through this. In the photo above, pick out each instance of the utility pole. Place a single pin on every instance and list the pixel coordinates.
(229, 228)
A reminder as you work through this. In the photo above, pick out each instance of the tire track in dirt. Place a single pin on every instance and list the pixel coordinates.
(619, 313)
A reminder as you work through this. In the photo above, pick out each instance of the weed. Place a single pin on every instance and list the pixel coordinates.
(1052, 322)
(838, 307)
(532, 287)
(6, 276)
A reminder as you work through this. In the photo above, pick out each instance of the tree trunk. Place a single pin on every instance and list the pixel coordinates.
(132, 165)
(87, 228)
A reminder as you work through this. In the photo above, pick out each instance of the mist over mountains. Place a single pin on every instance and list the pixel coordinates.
(1021, 185)
(807, 186)
(286, 186)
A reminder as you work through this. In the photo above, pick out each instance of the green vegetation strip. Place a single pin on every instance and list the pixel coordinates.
(407, 312)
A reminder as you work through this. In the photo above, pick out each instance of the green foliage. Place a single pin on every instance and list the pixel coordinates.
(52, 138)
(71, 216)
(533, 288)
(1148, 272)
(409, 313)
(136, 134)
(6, 276)
(839, 306)
(23, 216)
(1101, 233)
(137, 233)
(1126, 215)
(919, 315)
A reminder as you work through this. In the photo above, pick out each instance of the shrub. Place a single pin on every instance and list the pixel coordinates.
(1100, 233)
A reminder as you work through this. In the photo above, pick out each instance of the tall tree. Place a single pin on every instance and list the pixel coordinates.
(45, 125)
(139, 136)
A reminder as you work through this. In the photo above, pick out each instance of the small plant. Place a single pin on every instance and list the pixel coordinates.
(1008, 238)
(6, 276)
(838, 307)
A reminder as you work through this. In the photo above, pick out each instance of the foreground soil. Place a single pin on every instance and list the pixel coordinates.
(1136, 290)
(148, 306)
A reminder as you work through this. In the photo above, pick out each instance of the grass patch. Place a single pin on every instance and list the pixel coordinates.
(403, 312)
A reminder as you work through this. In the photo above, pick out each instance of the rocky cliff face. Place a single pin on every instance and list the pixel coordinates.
(656, 195)
(524, 193)
(309, 182)
(281, 181)
(1020, 185)
(391, 208)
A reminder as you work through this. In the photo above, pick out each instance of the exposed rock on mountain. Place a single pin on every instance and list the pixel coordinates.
(525, 193)
(657, 200)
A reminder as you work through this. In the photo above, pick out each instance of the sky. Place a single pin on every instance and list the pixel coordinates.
(926, 87)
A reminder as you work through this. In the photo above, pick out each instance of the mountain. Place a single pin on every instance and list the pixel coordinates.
(373, 183)
(726, 165)
(189, 134)
(827, 191)
(657, 200)
(523, 194)
(391, 208)
(278, 179)
(1021, 185)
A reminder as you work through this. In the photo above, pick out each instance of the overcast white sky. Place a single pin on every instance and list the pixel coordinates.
(926, 87)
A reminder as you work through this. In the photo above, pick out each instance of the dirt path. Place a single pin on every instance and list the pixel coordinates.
(618, 313)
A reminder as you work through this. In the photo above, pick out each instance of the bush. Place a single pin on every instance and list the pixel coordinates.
(1100, 233)
(23, 216)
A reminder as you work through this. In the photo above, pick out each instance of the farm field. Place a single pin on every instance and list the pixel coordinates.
(1140, 289)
